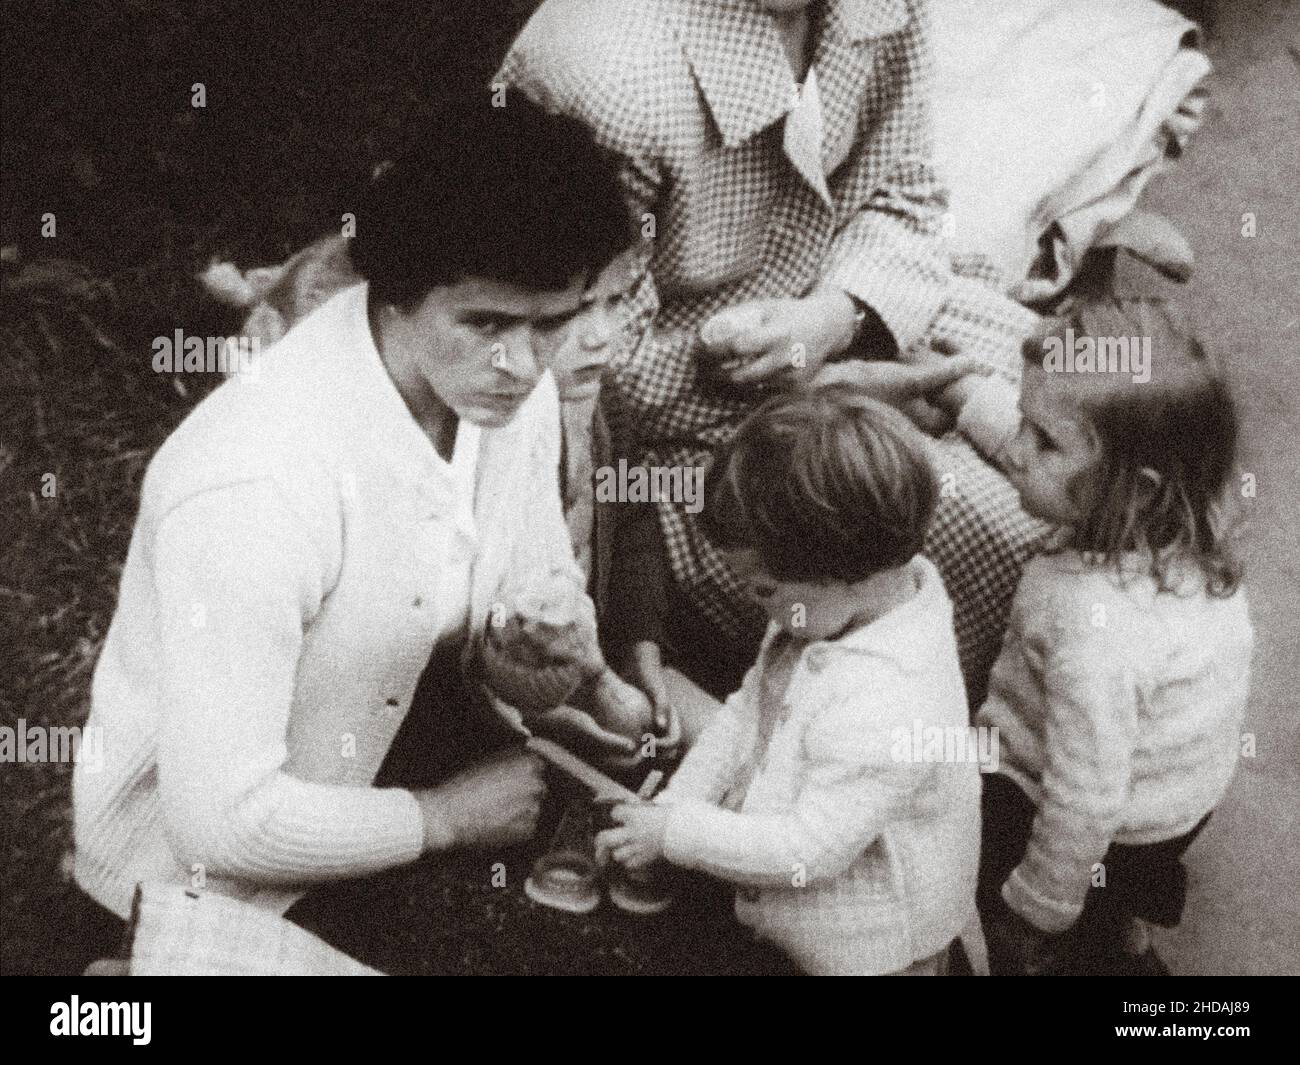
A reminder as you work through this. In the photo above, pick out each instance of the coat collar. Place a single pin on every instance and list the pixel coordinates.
(736, 55)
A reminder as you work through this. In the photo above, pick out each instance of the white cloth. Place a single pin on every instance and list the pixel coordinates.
(1047, 109)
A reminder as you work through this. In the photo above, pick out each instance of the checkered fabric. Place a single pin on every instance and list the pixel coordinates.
(693, 94)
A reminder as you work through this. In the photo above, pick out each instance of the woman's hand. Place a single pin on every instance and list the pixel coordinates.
(778, 342)
(638, 841)
(919, 387)
(643, 666)
(494, 803)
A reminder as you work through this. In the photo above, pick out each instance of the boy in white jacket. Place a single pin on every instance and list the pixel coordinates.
(849, 850)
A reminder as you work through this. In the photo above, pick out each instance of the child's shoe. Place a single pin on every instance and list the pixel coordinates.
(567, 876)
(644, 892)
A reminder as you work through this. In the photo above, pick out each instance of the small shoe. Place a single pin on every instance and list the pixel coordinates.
(567, 876)
(565, 880)
(643, 893)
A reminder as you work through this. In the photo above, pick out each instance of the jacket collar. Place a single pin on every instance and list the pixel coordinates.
(736, 55)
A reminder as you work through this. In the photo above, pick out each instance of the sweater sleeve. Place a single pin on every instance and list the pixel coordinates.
(852, 787)
(237, 576)
(710, 765)
(1089, 737)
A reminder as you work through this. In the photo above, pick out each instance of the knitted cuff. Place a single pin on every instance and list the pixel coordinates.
(1047, 914)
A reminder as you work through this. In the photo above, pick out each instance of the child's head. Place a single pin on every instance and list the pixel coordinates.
(819, 495)
(1128, 438)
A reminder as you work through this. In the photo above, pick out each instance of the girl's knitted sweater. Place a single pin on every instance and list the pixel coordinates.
(1119, 711)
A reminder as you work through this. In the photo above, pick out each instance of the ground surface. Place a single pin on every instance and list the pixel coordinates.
(146, 188)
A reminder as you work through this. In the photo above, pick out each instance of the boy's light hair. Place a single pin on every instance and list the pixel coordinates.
(825, 484)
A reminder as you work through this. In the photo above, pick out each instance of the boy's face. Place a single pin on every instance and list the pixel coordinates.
(1054, 450)
(810, 611)
(582, 358)
(482, 345)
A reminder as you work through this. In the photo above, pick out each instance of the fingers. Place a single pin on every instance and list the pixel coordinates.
(928, 418)
(779, 360)
(572, 723)
(719, 333)
(923, 380)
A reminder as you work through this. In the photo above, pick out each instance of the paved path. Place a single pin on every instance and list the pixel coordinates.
(1244, 913)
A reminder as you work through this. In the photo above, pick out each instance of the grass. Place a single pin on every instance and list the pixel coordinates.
(98, 128)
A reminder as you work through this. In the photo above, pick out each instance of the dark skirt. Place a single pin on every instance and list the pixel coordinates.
(1147, 881)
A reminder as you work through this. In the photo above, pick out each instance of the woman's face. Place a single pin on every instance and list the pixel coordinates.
(481, 345)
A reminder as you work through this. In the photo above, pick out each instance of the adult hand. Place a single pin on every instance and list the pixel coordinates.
(915, 387)
(778, 342)
(491, 804)
(643, 666)
(578, 730)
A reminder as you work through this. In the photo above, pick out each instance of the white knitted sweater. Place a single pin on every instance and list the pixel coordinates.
(1119, 712)
(852, 858)
(300, 547)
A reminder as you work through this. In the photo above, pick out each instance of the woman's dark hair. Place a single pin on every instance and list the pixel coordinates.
(1167, 446)
(508, 193)
(825, 484)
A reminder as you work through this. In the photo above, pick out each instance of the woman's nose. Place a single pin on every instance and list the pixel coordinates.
(517, 360)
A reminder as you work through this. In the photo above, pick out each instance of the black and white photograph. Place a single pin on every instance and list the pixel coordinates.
(651, 488)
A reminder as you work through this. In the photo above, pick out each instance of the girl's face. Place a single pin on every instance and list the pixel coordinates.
(1054, 450)
(806, 610)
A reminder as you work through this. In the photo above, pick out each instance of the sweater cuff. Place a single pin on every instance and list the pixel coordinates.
(1047, 914)
(990, 417)
(438, 835)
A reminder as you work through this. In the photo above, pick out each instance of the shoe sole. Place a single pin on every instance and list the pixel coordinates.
(579, 904)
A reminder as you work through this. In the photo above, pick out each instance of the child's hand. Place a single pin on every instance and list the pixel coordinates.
(779, 342)
(639, 839)
(1017, 947)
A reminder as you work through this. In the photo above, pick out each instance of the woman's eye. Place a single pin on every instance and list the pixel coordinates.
(484, 326)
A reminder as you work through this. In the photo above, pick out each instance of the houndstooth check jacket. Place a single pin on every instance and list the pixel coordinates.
(693, 96)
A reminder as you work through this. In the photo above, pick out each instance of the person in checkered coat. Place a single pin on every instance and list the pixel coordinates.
(777, 159)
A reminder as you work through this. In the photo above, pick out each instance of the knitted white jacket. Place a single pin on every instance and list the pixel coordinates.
(1119, 710)
(849, 854)
(300, 547)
